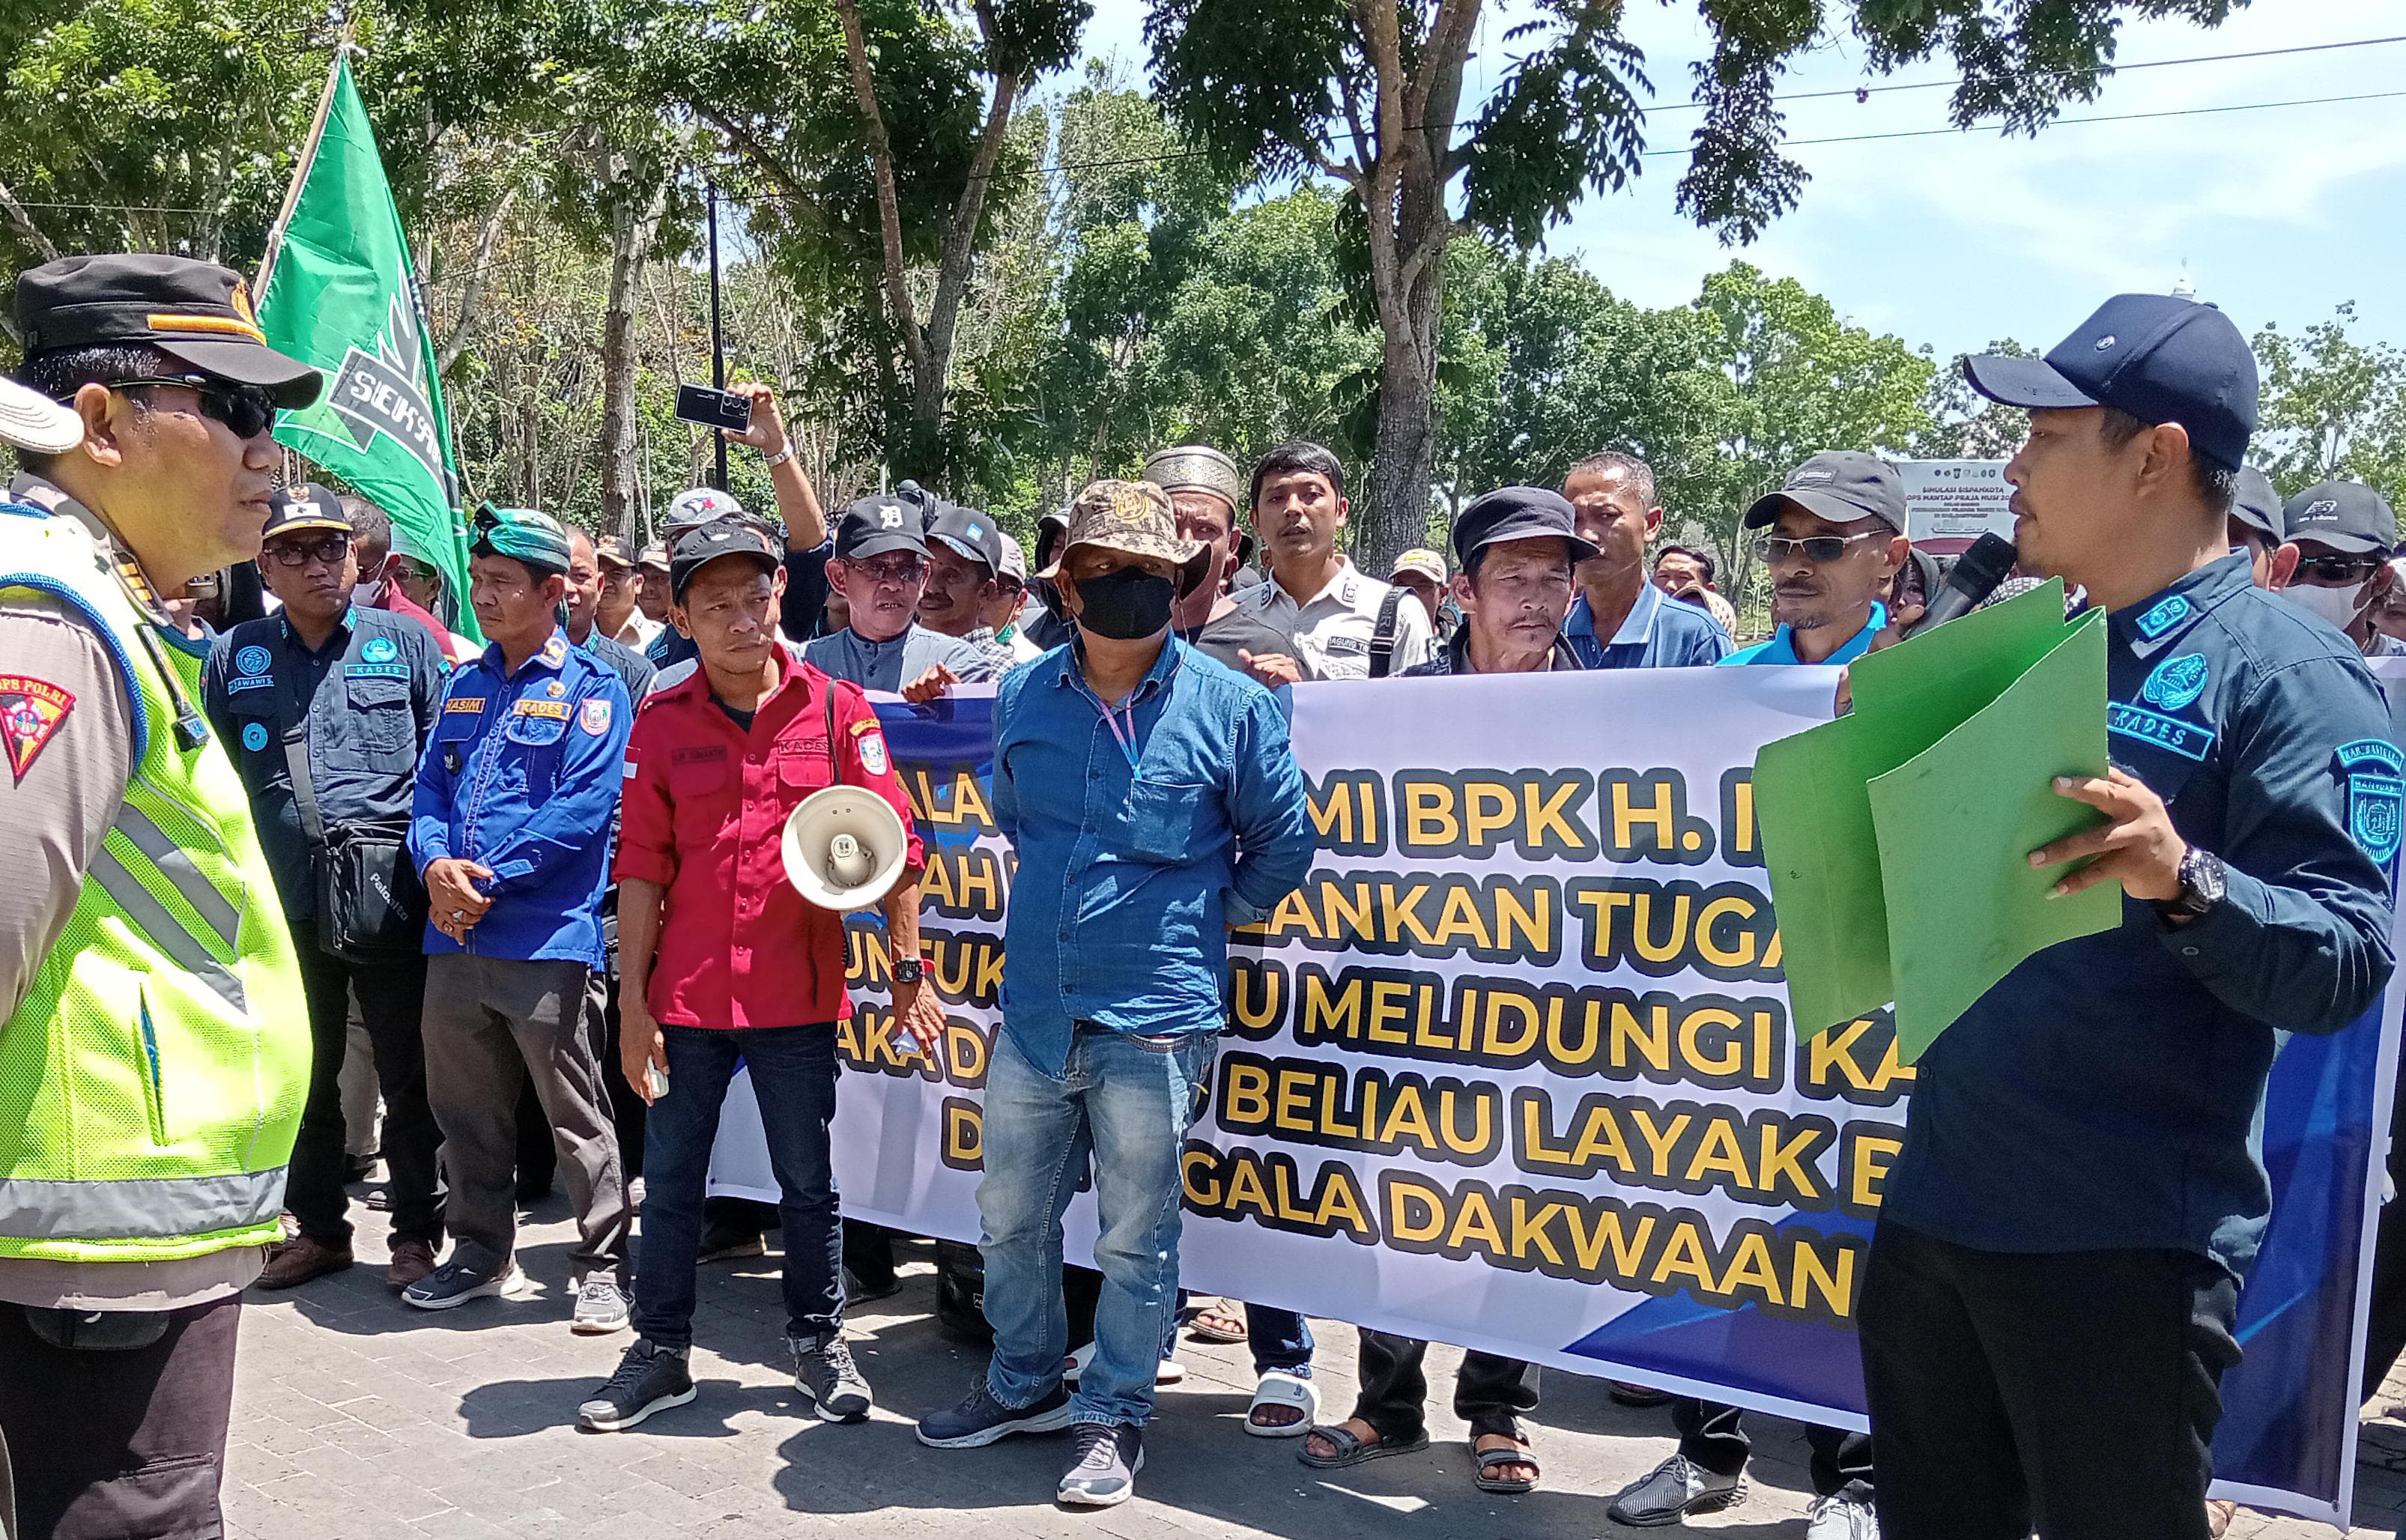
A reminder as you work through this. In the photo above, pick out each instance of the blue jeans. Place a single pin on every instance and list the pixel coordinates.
(793, 1077)
(1281, 1339)
(1125, 1103)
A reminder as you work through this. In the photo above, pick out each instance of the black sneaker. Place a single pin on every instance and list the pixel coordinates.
(1102, 1472)
(650, 1378)
(825, 1372)
(455, 1283)
(1672, 1490)
(981, 1419)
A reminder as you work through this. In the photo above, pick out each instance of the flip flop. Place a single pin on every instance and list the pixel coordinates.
(1352, 1450)
(1281, 1389)
(1202, 1328)
(1519, 1454)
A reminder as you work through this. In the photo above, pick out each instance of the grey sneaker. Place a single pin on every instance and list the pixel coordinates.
(1102, 1472)
(1841, 1517)
(1672, 1490)
(601, 1308)
(650, 1378)
(825, 1372)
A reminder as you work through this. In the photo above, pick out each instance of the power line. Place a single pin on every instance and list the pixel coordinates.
(2065, 122)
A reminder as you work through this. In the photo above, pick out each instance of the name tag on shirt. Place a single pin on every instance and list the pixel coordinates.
(555, 711)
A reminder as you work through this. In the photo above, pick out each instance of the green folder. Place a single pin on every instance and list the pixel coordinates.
(1896, 839)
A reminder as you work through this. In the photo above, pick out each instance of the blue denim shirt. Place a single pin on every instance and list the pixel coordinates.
(522, 777)
(2104, 1095)
(1130, 873)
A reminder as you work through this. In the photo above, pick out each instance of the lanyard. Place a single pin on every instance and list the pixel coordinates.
(1126, 740)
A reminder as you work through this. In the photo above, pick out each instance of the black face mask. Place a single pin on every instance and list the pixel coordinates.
(1125, 604)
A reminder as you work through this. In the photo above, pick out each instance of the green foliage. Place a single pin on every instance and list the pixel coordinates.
(2333, 407)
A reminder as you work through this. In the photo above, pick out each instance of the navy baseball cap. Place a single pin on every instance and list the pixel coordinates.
(2257, 505)
(2345, 515)
(2157, 356)
(1517, 512)
(699, 546)
(875, 525)
(1839, 485)
(969, 531)
(293, 510)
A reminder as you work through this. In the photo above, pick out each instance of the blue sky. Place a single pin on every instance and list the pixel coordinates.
(2277, 216)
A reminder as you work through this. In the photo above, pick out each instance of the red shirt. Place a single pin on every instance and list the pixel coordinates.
(398, 603)
(704, 814)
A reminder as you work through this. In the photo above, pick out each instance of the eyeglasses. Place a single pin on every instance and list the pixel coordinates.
(902, 571)
(1815, 549)
(247, 410)
(329, 549)
(2332, 572)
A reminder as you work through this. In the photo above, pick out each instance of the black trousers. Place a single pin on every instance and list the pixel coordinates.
(1490, 1393)
(1714, 1437)
(627, 1107)
(392, 999)
(119, 1444)
(2076, 1390)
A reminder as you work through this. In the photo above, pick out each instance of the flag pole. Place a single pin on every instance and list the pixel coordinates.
(300, 172)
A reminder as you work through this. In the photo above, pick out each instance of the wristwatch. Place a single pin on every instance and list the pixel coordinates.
(910, 970)
(772, 461)
(2202, 886)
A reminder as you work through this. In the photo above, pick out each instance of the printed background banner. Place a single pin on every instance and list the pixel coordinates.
(1514, 1070)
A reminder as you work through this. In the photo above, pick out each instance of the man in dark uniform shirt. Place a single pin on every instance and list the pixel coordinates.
(351, 693)
(2048, 1311)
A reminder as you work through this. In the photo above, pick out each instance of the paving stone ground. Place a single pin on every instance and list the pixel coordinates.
(359, 1419)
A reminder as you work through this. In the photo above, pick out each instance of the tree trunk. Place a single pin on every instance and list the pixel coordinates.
(1400, 465)
(631, 233)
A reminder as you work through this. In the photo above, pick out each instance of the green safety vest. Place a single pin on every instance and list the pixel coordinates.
(152, 1081)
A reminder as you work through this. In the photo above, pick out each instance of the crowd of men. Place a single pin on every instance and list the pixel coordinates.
(540, 880)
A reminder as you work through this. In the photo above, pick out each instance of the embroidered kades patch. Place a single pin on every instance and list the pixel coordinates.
(2376, 797)
(31, 710)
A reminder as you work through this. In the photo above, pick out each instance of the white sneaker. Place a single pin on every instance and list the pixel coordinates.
(1074, 1368)
(1841, 1519)
(601, 1308)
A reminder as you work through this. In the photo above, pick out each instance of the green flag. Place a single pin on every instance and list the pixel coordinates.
(337, 290)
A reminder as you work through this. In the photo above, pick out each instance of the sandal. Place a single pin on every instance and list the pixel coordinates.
(1352, 1450)
(1281, 1389)
(1490, 1460)
(1218, 1321)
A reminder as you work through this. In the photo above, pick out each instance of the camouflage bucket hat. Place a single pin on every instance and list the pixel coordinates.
(1133, 517)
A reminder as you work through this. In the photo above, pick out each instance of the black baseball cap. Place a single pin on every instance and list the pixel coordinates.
(1517, 512)
(702, 544)
(969, 531)
(875, 525)
(1839, 485)
(197, 313)
(291, 510)
(2159, 357)
(2345, 515)
(2256, 504)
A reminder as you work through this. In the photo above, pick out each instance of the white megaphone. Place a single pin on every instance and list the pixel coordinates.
(844, 848)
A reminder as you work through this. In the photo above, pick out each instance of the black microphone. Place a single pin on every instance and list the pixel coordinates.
(1974, 578)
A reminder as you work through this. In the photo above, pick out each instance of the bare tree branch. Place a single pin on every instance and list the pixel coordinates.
(881, 165)
(471, 292)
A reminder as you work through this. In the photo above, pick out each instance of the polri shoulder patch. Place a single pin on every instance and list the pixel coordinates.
(31, 710)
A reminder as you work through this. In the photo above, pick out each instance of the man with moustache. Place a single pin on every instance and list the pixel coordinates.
(1204, 487)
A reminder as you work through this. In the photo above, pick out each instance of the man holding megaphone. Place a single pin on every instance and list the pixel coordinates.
(733, 876)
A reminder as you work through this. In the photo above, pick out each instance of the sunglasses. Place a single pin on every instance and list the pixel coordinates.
(329, 549)
(247, 410)
(906, 570)
(1815, 549)
(2332, 572)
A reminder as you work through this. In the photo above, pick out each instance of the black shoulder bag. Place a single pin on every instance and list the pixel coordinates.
(371, 902)
(1382, 640)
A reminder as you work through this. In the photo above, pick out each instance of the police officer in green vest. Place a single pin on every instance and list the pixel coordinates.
(155, 1049)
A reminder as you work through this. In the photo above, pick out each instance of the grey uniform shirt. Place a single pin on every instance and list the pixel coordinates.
(60, 791)
(893, 663)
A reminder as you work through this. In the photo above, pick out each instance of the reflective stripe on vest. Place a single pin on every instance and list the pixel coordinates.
(217, 912)
(151, 918)
(139, 1208)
